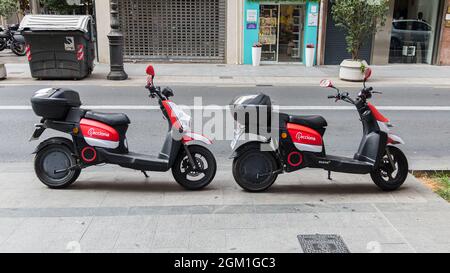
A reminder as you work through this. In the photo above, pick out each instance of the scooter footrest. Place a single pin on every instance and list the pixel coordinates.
(135, 161)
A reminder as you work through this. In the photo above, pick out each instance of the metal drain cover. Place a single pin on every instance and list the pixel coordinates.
(322, 243)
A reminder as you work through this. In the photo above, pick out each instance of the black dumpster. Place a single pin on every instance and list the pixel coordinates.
(59, 46)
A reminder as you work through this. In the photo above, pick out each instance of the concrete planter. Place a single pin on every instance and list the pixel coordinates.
(309, 57)
(351, 70)
(2, 71)
(256, 55)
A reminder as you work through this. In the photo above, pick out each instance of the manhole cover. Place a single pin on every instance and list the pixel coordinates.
(322, 243)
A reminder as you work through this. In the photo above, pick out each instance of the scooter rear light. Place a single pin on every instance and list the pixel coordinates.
(80, 52)
(28, 52)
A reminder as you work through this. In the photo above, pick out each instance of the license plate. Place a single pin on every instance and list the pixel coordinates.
(237, 134)
(38, 130)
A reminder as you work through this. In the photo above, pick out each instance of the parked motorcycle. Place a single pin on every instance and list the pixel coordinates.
(11, 38)
(300, 145)
(98, 138)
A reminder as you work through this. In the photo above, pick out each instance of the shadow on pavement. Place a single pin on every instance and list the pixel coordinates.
(123, 186)
(353, 188)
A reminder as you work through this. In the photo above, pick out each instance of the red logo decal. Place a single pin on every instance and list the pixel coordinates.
(300, 137)
(92, 132)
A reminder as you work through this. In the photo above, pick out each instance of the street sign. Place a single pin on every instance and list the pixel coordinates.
(252, 15)
(251, 26)
(69, 43)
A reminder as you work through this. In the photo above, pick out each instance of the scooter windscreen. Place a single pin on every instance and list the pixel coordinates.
(183, 117)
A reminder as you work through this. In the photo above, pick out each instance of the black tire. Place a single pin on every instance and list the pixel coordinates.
(188, 178)
(384, 176)
(55, 157)
(247, 166)
(2, 44)
(19, 49)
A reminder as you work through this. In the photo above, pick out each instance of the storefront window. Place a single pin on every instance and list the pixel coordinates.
(268, 32)
(413, 31)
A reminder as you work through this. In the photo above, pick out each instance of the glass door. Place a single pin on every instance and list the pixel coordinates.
(268, 32)
(281, 32)
(291, 34)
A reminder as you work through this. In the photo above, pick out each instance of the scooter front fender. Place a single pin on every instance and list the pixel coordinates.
(395, 140)
(192, 138)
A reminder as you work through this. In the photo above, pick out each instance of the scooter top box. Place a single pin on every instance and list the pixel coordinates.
(251, 108)
(54, 103)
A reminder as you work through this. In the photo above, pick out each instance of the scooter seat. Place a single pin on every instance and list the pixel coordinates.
(314, 122)
(112, 119)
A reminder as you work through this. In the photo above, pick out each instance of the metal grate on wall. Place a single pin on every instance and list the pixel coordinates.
(174, 30)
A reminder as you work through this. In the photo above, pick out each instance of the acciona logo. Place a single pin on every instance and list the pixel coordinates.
(92, 133)
(300, 136)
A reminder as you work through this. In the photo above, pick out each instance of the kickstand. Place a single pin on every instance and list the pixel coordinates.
(145, 174)
(329, 176)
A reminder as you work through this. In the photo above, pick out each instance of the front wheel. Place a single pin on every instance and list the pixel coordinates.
(198, 177)
(392, 171)
(255, 171)
(52, 166)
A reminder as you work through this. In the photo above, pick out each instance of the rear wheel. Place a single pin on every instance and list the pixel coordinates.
(18, 49)
(254, 170)
(2, 44)
(393, 170)
(202, 175)
(52, 164)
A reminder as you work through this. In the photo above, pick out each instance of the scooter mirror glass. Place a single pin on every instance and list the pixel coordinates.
(150, 71)
(367, 74)
(326, 83)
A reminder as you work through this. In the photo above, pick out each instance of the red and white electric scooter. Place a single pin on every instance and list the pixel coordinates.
(300, 145)
(98, 138)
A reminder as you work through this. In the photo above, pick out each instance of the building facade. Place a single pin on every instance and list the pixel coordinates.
(174, 31)
(224, 31)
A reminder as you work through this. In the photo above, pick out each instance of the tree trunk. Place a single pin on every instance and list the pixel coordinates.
(35, 8)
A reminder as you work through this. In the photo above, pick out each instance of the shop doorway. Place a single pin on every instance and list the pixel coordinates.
(413, 31)
(281, 33)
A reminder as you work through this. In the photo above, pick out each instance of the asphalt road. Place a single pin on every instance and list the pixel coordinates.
(425, 128)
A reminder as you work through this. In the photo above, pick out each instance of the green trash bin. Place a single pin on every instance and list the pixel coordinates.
(59, 46)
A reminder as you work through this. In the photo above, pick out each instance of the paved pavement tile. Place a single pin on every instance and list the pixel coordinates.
(112, 212)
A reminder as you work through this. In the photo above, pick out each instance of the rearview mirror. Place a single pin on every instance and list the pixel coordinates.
(326, 83)
(150, 71)
(367, 74)
(167, 92)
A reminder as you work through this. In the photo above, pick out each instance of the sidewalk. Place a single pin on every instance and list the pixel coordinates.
(240, 75)
(115, 210)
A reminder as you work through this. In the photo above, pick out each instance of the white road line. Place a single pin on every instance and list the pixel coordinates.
(218, 107)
